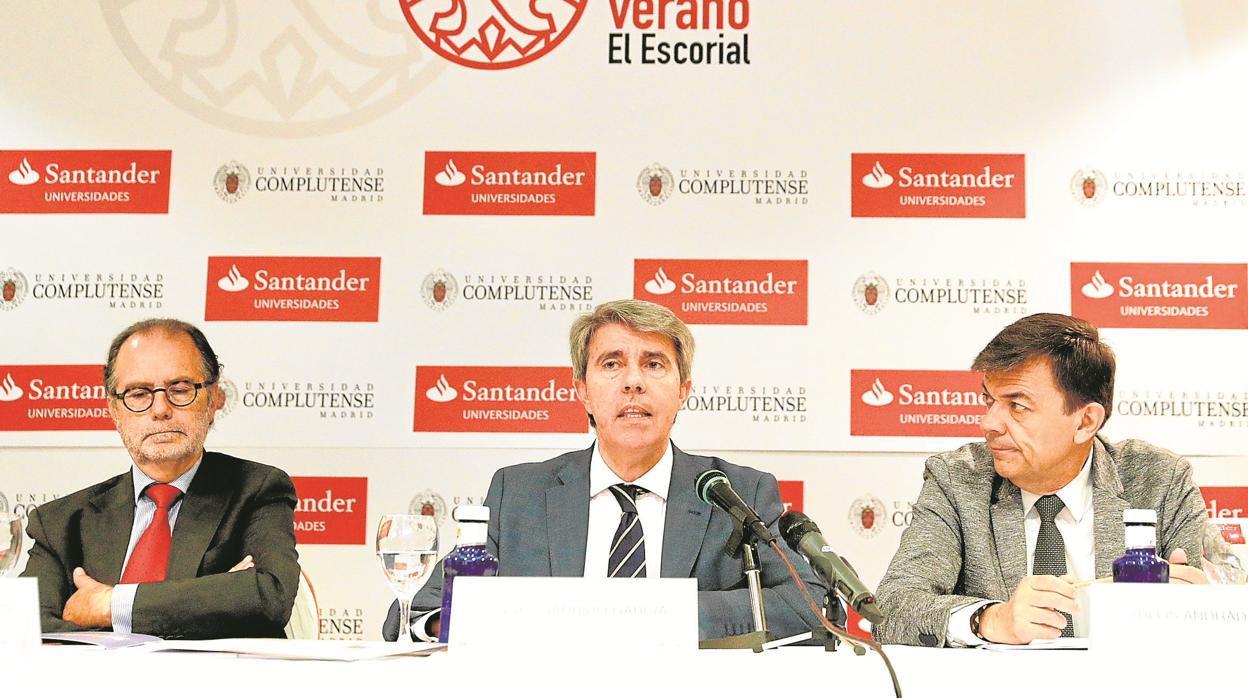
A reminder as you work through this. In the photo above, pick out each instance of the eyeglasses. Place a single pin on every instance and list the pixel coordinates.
(178, 394)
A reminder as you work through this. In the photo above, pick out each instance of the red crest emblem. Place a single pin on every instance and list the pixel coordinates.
(427, 509)
(231, 183)
(868, 518)
(656, 185)
(439, 291)
(1089, 187)
(10, 290)
(871, 294)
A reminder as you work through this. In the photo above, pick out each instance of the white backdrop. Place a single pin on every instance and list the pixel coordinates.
(835, 308)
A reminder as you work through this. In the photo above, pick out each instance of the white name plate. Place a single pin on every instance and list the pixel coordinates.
(19, 616)
(1166, 616)
(573, 614)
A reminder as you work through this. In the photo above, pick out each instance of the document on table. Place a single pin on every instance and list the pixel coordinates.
(277, 648)
(1061, 643)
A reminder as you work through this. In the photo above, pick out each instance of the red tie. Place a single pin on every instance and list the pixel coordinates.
(151, 554)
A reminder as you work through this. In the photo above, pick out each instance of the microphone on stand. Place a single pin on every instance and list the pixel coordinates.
(713, 488)
(804, 536)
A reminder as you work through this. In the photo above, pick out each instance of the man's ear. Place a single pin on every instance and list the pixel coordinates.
(1091, 418)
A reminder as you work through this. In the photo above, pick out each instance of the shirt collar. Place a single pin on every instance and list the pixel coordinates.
(141, 480)
(657, 480)
(1076, 495)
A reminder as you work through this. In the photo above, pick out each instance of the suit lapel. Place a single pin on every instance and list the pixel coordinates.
(686, 520)
(1007, 529)
(198, 519)
(106, 525)
(567, 517)
(1109, 535)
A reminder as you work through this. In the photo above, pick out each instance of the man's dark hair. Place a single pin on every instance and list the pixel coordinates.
(1083, 365)
(211, 364)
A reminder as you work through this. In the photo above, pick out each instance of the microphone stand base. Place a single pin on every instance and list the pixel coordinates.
(752, 641)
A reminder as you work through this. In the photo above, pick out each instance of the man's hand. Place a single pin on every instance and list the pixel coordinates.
(1181, 573)
(244, 564)
(92, 605)
(1032, 612)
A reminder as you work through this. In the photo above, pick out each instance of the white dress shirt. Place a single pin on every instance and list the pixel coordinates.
(605, 512)
(1074, 522)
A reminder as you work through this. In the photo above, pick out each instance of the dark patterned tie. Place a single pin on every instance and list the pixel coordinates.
(628, 546)
(1050, 548)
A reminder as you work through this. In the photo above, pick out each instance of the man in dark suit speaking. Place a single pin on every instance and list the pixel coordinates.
(626, 506)
(186, 544)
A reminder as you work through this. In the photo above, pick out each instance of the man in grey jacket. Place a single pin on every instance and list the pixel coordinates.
(1003, 528)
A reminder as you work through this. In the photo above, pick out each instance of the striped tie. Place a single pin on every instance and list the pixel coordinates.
(628, 546)
(1050, 557)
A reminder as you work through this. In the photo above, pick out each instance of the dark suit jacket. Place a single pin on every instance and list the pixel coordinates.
(539, 520)
(967, 544)
(232, 509)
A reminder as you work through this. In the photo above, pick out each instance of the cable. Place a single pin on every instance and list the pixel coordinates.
(859, 644)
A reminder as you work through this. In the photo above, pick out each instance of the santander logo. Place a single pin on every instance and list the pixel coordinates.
(660, 285)
(450, 176)
(442, 391)
(878, 177)
(24, 175)
(234, 281)
(878, 395)
(1097, 287)
(9, 391)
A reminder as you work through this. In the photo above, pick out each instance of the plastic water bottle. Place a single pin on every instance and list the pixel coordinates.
(469, 557)
(1141, 563)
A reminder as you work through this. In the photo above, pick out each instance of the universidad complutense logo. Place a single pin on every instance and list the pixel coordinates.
(938, 185)
(330, 510)
(273, 289)
(84, 181)
(890, 402)
(497, 399)
(726, 291)
(61, 397)
(497, 183)
(492, 34)
(1160, 294)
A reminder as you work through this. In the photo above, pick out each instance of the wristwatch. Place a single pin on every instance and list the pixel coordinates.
(978, 616)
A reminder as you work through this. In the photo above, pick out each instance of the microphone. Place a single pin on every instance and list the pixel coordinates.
(804, 536)
(713, 488)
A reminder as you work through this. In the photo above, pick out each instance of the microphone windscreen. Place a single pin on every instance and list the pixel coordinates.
(702, 485)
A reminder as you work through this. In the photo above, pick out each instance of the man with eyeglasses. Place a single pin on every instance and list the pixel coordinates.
(187, 543)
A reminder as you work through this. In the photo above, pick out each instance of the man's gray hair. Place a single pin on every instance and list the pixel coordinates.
(641, 316)
(170, 326)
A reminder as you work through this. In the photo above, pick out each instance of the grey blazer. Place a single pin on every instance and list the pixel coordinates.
(539, 519)
(967, 543)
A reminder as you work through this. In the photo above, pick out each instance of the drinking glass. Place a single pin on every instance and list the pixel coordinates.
(407, 549)
(10, 541)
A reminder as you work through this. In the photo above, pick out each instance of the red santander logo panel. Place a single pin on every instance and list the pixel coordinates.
(1160, 295)
(915, 403)
(935, 185)
(331, 510)
(726, 291)
(497, 399)
(510, 183)
(1226, 502)
(325, 289)
(792, 494)
(84, 181)
(54, 398)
